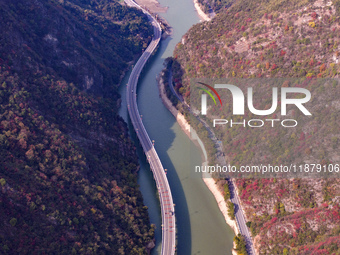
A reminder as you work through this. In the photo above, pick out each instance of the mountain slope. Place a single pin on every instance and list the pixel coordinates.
(256, 40)
(68, 172)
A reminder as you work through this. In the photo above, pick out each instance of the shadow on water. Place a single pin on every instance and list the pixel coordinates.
(201, 227)
(181, 208)
(145, 179)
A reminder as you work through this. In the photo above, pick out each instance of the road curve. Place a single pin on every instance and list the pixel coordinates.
(164, 191)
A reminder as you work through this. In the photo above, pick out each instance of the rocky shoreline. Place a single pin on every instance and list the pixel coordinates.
(203, 16)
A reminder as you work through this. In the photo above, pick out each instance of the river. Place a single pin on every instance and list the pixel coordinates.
(201, 228)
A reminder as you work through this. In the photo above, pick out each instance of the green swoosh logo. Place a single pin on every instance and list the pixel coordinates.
(208, 92)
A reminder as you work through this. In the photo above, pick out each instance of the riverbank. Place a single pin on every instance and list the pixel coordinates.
(209, 181)
(203, 16)
(179, 117)
(151, 5)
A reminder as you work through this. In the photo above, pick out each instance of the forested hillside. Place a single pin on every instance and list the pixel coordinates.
(68, 171)
(215, 5)
(298, 40)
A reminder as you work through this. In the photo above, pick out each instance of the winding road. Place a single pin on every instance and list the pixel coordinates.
(159, 173)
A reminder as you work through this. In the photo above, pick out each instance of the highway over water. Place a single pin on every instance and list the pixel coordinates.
(165, 196)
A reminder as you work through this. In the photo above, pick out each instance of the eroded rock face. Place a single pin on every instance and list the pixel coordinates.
(150, 246)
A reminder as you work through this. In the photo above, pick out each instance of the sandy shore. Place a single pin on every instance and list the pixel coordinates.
(209, 181)
(151, 5)
(203, 16)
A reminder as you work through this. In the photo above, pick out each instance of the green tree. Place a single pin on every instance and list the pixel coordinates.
(240, 245)
(2, 182)
(226, 192)
(13, 221)
(231, 210)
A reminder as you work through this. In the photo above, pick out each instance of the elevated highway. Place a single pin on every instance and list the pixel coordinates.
(164, 191)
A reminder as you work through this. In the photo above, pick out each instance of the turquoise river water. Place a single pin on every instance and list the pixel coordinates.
(201, 228)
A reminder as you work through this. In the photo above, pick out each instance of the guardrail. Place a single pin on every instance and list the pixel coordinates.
(164, 191)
